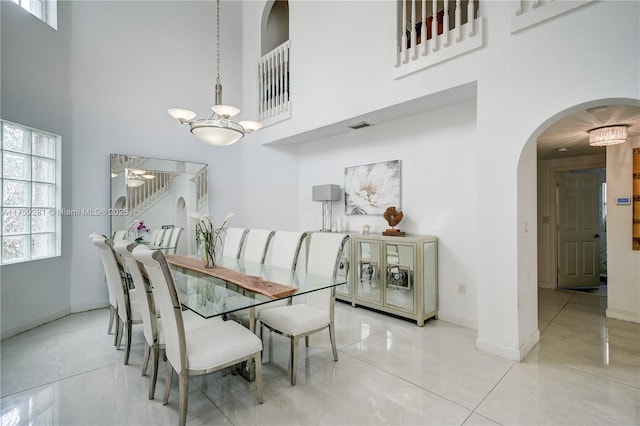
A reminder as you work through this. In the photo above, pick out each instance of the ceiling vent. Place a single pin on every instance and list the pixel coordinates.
(359, 125)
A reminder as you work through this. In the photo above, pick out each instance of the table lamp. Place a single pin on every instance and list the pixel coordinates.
(327, 194)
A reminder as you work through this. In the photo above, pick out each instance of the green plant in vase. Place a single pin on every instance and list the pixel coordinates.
(209, 238)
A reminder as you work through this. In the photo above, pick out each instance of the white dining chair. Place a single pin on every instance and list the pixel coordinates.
(113, 303)
(256, 244)
(127, 309)
(200, 351)
(317, 313)
(166, 238)
(284, 249)
(283, 252)
(173, 241)
(152, 324)
(233, 242)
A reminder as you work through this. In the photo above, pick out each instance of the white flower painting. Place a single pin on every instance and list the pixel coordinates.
(371, 188)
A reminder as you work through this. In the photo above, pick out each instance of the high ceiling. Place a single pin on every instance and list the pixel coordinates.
(572, 132)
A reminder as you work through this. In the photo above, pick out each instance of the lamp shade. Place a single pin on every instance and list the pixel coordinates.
(328, 192)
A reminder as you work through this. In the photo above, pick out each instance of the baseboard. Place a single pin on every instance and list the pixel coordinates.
(10, 332)
(529, 344)
(89, 306)
(510, 353)
(623, 315)
(458, 320)
(546, 284)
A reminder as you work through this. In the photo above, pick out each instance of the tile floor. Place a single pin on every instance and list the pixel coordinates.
(586, 370)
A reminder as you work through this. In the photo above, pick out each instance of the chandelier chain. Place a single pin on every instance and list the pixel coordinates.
(218, 39)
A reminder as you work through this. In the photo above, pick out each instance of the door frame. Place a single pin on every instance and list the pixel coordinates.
(553, 209)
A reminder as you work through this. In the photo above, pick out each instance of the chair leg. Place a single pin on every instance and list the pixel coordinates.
(294, 359)
(119, 334)
(112, 314)
(184, 396)
(154, 371)
(332, 337)
(145, 362)
(128, 348)
(167, 384)
(258, 363)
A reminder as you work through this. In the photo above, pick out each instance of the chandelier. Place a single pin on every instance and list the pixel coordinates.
(137, 177)
(604, 136)
(219, 129)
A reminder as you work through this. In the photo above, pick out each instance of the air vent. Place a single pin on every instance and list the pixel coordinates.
(359, 125)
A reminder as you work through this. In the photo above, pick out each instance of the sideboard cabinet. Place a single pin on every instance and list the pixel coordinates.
(397, 275)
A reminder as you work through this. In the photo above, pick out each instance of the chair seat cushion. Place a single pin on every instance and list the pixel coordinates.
(215, 345)
(295, 319)
(191, 322)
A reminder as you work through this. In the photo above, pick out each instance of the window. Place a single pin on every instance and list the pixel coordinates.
(30, 171)
(45, 10)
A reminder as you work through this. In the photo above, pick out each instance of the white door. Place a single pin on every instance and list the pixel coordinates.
(578, 225)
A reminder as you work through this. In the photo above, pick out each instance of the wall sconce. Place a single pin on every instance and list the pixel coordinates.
(326, 194)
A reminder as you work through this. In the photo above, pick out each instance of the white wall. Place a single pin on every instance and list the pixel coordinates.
(341, 68)
(437, 150)
(112, 69)
(37, 291)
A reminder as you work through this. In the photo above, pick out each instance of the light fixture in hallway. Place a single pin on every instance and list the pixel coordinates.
(219, 129)
(609, 135)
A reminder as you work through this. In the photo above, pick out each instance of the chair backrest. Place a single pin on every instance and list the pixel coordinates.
(112, 295)
(233, 241)
(284, 249)
(166, 238)
(143, 292)
(94, 235)
(119, 235)
(114, 278)
(256, 244)
(167, 301)
(173, 242)
(157, 236)
(323, 259)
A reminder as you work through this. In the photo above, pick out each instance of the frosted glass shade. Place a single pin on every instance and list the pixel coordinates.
(250, 126)
(225, 110)
(181, 114)
(217, 136)
(604, 136)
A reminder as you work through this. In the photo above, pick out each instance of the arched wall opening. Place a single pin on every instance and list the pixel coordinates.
(624, 275)
(275, 25)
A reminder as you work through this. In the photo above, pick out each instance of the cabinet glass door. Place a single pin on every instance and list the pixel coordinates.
(400, 276)
(368, 272)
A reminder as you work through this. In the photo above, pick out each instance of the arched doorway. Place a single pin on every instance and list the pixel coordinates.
(537, 199)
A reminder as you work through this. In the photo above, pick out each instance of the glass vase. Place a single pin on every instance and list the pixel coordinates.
(207, 253)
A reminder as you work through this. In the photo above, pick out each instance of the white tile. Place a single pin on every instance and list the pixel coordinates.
(539, 393)
(438, 357)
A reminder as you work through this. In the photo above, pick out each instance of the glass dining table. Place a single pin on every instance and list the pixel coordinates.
(216, 296)
(212, 296)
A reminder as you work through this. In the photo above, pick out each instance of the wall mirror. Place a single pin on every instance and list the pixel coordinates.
(160, 194)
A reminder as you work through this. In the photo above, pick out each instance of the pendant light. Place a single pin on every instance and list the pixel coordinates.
(219, 129)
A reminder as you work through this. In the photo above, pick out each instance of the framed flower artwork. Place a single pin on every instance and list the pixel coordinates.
(371, 188)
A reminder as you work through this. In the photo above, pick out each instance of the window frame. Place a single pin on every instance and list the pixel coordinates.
(48, 12)
(28, 212)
